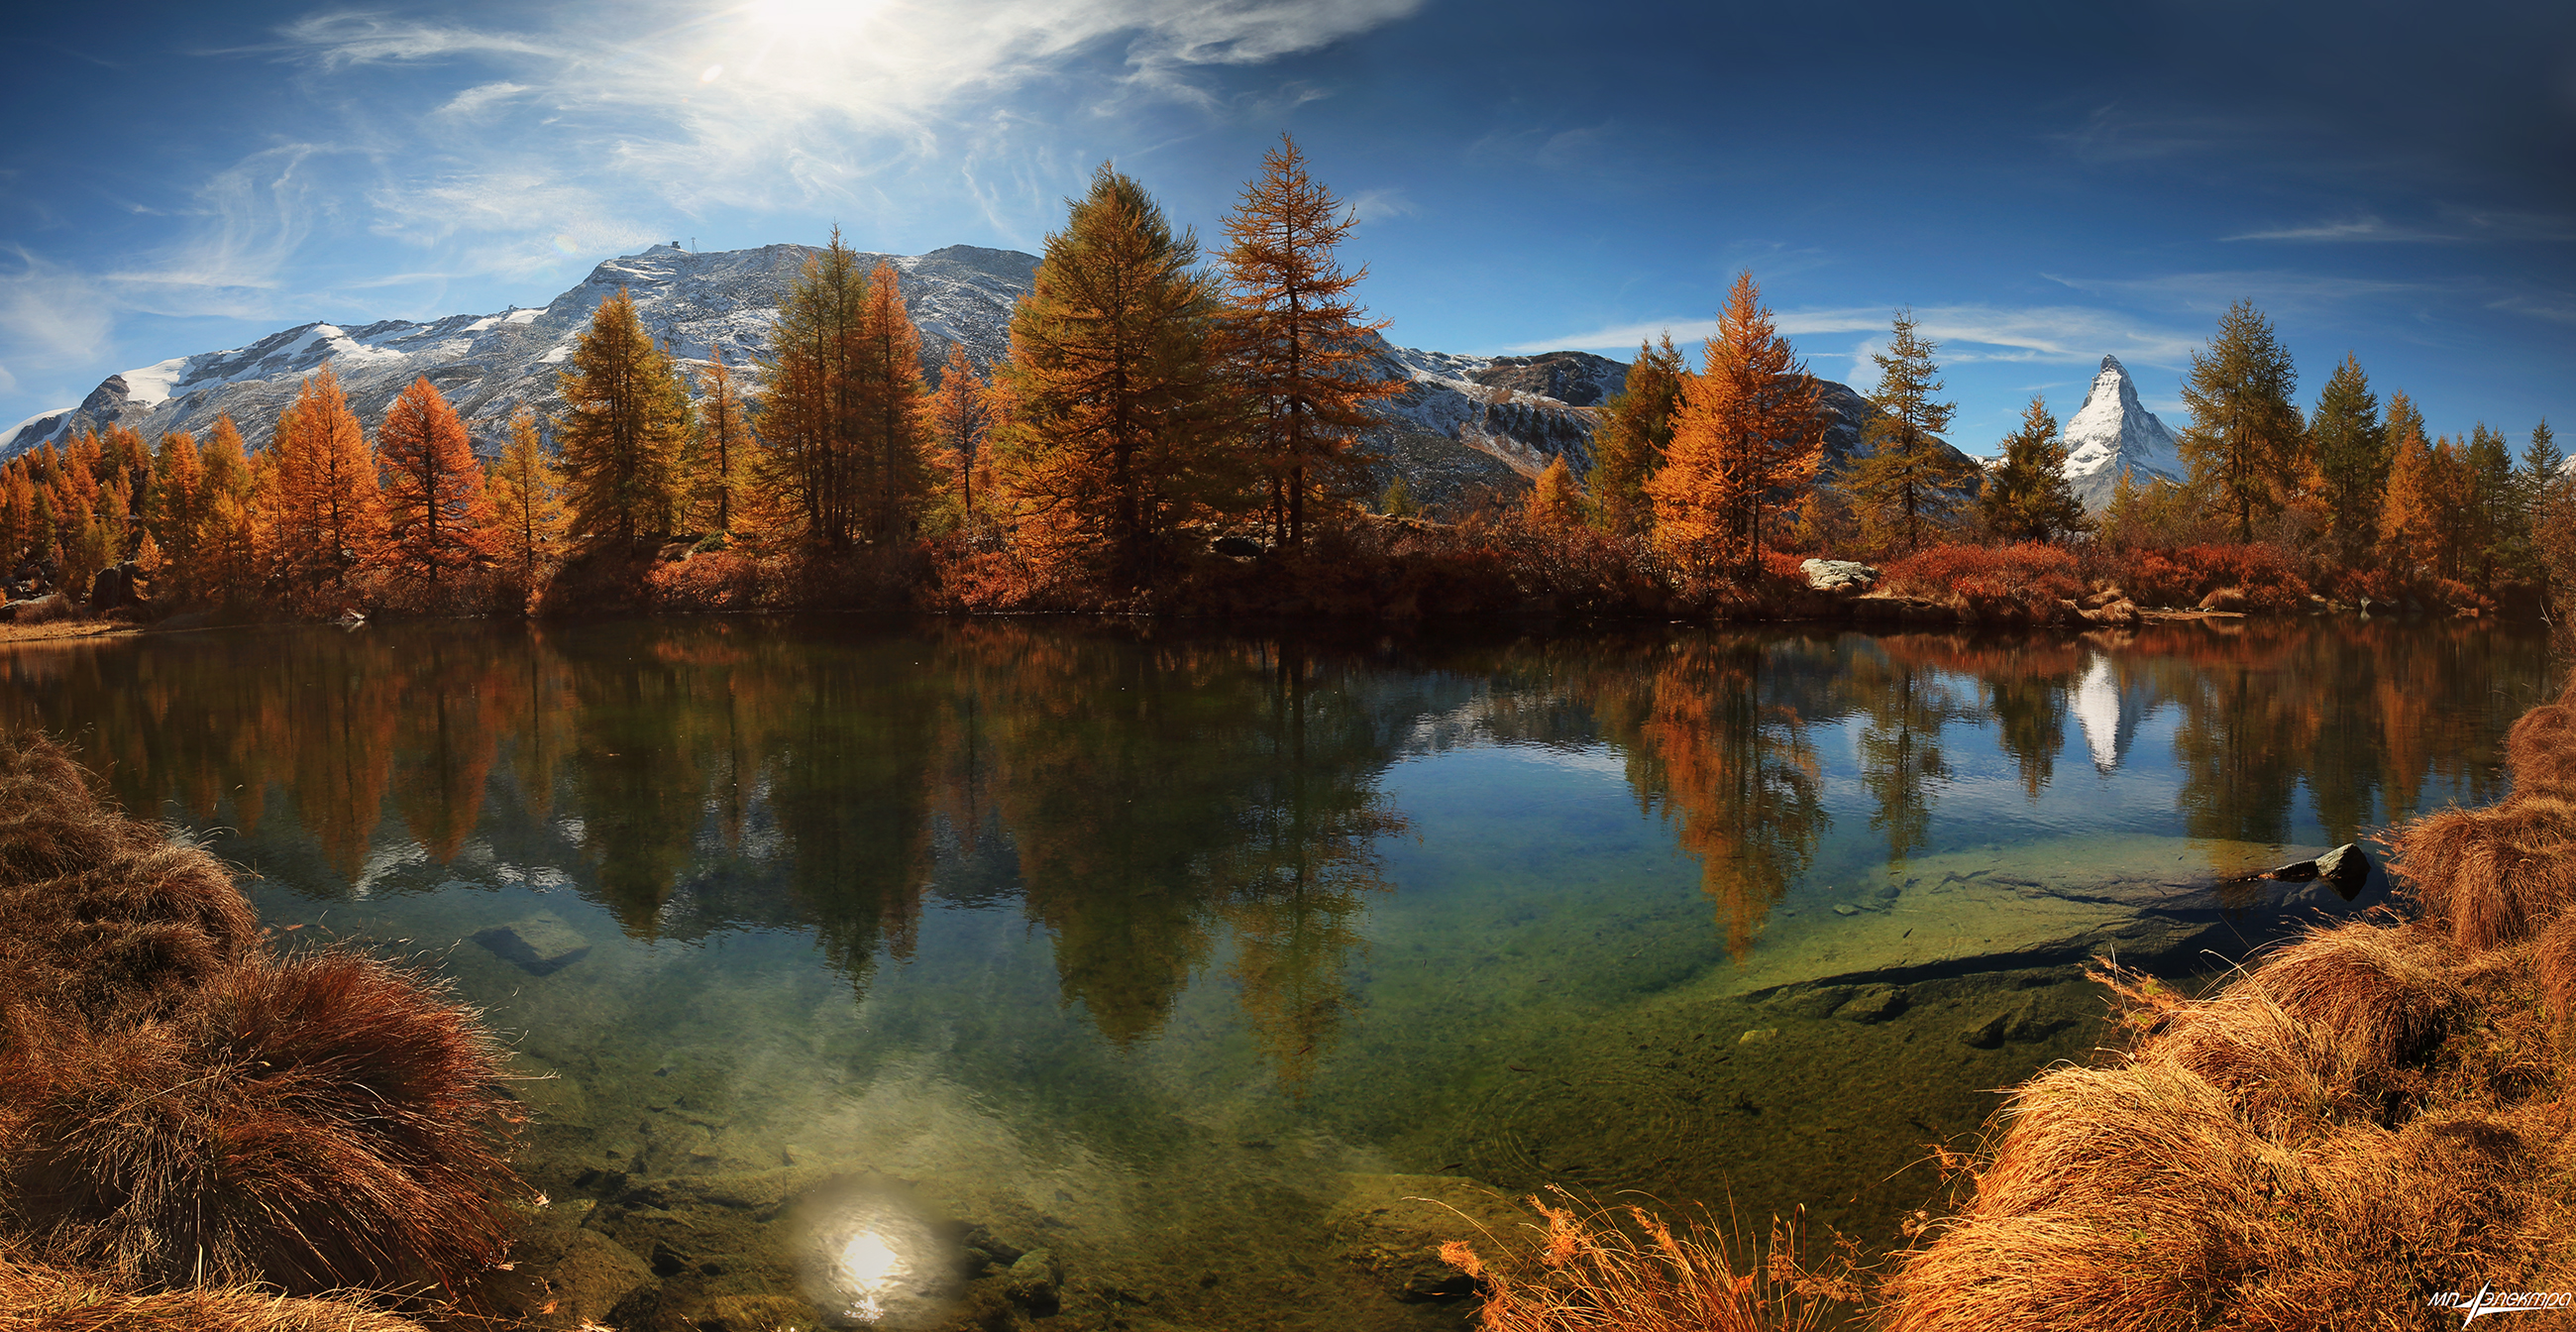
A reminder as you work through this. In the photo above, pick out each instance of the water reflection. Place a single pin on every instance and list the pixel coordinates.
(1170, 805)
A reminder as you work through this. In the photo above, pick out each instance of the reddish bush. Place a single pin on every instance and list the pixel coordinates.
(2184, 576)
(2029, 583)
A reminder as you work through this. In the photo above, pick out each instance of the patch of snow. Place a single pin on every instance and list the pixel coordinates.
(11, 438)
(151, 384)
(556, 356)
(521, 316)
(481, 324)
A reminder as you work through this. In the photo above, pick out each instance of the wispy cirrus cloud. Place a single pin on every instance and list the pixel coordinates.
(2362, 228)
(2050, 334)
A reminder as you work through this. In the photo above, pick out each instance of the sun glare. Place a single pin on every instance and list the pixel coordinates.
(809, 17)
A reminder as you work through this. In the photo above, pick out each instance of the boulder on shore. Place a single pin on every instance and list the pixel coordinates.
(1839, 575)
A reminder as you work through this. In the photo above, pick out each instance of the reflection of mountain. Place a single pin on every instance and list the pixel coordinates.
(2109, 709)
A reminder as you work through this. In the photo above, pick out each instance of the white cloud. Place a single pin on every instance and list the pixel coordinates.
(2362, 228)
(572, 127)
(1378, 205)
(480, 100)
(2058, 334)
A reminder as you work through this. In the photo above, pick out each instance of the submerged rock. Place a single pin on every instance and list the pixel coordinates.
(1393, 1226)
(1874, 1003)
(539, 945)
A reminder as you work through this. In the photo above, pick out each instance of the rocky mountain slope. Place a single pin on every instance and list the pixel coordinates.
(2113, 432)
(1465, 430)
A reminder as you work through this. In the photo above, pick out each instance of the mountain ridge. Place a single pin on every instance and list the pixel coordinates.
(1464, 429)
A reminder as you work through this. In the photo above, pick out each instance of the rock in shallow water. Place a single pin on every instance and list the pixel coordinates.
(538, 945)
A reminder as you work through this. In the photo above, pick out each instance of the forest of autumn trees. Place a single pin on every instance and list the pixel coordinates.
(1155, 418)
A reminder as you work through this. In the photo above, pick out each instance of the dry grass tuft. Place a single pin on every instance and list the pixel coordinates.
(2540, 751)
(318, 1122)
(45, 1299)
(179, 1106)
(2492, 876)
(99, 912)
(2554, 962)
(1625, 1268)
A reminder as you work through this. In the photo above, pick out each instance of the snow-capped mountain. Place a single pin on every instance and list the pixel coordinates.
(489, 365)
(1463, 426)
(2113, 433)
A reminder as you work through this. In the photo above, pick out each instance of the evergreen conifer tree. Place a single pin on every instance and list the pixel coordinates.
(1907, 485)
(2245, 438)
(2351, 449)
(1118, 415)
(1636, 428)
(2027, 497)
(1299, 342)
(2498, 541)
(627, 424)
(436, 515)
(2542, 465)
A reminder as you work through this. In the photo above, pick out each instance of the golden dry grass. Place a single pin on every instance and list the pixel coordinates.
(2491, 876)
(2540, 751)
(1594, 1268)
(2183, 1187)
(179, 1106)
(37, 1298)
(99, 912)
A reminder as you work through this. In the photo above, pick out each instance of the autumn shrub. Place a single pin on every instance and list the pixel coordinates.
(2027, 583)
(47, 609)
(2265, 575)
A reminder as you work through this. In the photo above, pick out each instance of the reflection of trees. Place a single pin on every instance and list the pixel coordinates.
(1152, 791)
(1904, 706)
(1146, 799)
(637, 786)
(1292, 885)
(1735, 773)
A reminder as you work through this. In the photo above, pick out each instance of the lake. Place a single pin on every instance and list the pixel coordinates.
(835, 945)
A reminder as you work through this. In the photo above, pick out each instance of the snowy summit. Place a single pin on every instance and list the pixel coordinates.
(2113, 433)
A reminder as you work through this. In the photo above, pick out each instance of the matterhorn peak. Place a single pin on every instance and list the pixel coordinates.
(2113, 432)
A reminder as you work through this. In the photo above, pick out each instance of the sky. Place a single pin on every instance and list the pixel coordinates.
(2040, 184)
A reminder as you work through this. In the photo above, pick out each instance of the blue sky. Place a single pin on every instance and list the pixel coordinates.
(2041, 184)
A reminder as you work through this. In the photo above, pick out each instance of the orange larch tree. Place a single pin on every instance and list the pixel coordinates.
(435, 511)
(889, 368)
(1747, 437)
(2408, 533)
(958, 415)
(323, 510)
(1299, 340)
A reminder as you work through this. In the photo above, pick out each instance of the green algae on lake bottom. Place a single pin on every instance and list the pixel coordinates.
(1150, 953)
